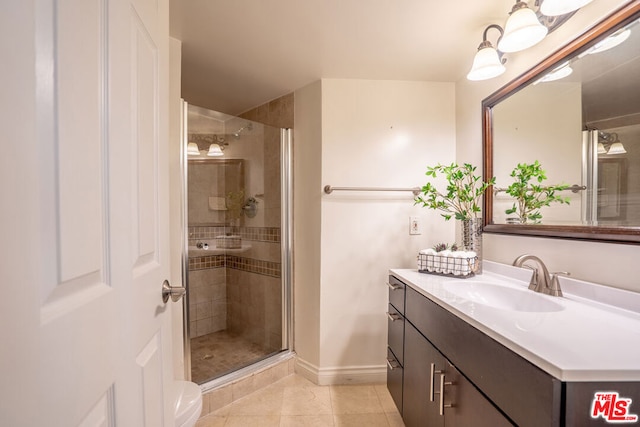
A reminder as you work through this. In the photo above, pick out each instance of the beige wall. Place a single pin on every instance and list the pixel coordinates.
(307, 173)
(372, 134)
(609, 264)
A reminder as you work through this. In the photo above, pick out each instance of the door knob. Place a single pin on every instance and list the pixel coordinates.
(175, 292)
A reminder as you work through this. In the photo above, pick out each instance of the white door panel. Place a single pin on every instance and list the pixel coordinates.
(84, 193)
(77, 340)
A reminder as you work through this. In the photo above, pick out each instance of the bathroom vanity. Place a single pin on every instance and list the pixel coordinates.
(486, 351)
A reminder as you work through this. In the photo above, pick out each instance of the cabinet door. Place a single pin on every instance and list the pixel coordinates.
(468, 407)
(420, 405)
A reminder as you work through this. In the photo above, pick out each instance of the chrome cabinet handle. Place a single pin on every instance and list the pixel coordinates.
(175, 292)
(393, 287)
(433, 381)
(392, 364)
(393, 316)
(442, 384)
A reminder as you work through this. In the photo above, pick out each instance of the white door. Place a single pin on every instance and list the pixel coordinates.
(85, 335)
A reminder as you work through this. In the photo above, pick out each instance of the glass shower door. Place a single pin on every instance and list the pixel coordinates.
(237, 290)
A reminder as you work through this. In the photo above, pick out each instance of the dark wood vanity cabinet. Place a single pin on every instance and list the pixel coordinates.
(485, 384)
(437, 394)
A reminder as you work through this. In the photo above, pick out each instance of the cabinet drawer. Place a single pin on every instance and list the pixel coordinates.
(490, 366)
(395, 339)
(394, 379)
(396, 293)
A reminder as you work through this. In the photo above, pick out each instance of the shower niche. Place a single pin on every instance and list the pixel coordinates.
(236, 293)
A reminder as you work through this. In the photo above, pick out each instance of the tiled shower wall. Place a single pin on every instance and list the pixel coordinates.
(240, 292)
(208, 296)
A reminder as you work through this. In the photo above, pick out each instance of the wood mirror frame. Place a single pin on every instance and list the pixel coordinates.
(621, 17)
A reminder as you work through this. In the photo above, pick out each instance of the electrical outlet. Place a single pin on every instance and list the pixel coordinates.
(415, 226)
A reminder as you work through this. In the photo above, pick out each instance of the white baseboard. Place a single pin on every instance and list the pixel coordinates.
(341, 375)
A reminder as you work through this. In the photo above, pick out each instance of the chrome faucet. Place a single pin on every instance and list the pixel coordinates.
(541, 281)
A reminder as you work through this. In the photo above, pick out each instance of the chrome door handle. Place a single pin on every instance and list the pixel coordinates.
(175, 292)
(434, 371)
(442, 384)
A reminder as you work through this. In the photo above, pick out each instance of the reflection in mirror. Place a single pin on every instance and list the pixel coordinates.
(578, 115)
(216, 192)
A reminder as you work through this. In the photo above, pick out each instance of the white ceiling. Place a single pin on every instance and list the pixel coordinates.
(237, 54)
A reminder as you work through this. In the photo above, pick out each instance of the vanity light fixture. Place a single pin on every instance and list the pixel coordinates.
(192, 149)
(611, 144)
(216, 144)
(215, 151)
(487, 63)
(522, 30)
(561, 7)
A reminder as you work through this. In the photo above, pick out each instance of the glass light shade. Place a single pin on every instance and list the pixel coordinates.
(601, 148)
(616, 148)
(561, 7)
(523, 30)
(192, 149)
(558, 73)
(486, 65)
(610, 42)
(215, 151)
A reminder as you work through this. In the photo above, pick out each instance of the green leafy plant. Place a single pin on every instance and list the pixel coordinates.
(530, 194)
(462, 196)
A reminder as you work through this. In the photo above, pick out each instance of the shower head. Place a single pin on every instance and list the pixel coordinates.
(248, 126)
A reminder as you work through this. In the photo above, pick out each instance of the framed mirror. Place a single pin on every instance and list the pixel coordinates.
(577, 113)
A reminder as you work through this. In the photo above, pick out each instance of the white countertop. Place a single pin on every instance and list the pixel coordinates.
(585, 341)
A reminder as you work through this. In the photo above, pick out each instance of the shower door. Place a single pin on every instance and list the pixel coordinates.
(237, 256)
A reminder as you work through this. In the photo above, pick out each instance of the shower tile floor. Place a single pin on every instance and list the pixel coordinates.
(221, 352)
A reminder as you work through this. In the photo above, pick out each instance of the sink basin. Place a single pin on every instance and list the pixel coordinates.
(502, 297)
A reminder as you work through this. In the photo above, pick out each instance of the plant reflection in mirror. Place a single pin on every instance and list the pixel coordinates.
(532, 196)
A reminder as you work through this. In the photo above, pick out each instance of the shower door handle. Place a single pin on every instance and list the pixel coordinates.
(175, 292)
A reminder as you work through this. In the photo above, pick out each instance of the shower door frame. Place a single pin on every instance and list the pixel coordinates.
(286, 246)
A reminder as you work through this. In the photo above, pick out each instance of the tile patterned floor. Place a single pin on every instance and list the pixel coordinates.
(297, 402)
(216, 354)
